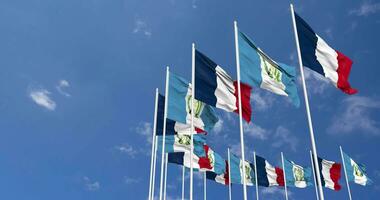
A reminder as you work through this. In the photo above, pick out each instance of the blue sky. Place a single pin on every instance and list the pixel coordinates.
(77, 88)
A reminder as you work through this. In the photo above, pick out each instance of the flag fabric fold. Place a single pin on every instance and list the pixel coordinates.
(296, 175)
(179, 106)
(258, 69)
(320, 57)
(219, 178)
(267, 175)
(181, 143)
(237, 171)
(215, 87)
(330, 173)
(355, 172)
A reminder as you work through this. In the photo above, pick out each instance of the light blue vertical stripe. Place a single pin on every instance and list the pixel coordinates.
(235, 169)
(178, 88)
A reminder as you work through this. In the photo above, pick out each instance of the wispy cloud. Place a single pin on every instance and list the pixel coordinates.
(130, 180)
(270, 191)
(256, 131)
(366, 8)
(316, 83)
(142, 27)
(127, 149)
(355, 114)
(218, 127)
(42, 98)
(145, 129)
(62, 85)
(91, 185)
(283, 137)
(194, 4)
(262, 100)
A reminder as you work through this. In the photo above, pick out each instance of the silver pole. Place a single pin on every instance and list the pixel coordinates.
(315, 180)
(229, 175)
(164, 132)
(256, 179)
(192, 117)
(240, 107)
(151, 184)
(345, 173)
(204, 186)
(314, 148)
(154, 167)
(283, 167)
(183, 182)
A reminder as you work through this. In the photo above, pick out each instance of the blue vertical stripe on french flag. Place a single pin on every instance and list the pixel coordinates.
(215, 87)
(320, 57)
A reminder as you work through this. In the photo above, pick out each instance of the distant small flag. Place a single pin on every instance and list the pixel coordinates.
(330, 173)
(179, 106)
(181, 143)
(267, 175)
(211, 161)
(258, 69)
(172, 127)
(183, 158)
(296, 175)
(356, 172)
(215, 87)
(321, 58)
(237, 171)
(219, 178)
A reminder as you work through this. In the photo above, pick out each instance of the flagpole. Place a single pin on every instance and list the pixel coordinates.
(164, 131)
(183, 182)
(345, 173)
(314, 148)
(256, 179)
(166, 174)
(240, 108)
(229, 175)
(204, 186)
(315, 181)
(283, 167)
(192, 117)
(153, 145)
(154, 167)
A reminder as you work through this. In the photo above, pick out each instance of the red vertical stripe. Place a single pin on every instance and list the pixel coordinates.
(280, 176)
(204, 162)
(245, 100)
(335, 175)
(227, 175)
(344, 68)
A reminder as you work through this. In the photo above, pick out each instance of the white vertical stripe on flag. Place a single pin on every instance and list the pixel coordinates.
(328, 58)
(225, 91)
(271, 174)
(359, 179)
(326, 166)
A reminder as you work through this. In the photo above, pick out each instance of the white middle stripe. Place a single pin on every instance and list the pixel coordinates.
(225, 91)
(328, 58)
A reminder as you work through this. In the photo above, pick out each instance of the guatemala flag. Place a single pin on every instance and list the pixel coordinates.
(211, 161)
(215, 87)
(179, 107)
(296, 175)
(267, 175)
(355, 172)
(219, 178)
(237, 171)
(181, 143)
(258, 69)
(172, 127)
(320, 57)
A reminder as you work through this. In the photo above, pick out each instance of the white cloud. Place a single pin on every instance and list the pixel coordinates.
(127, 149)
(145, 129)
(129, 180)
(41, 97)
(91, 185)
(218, 127)
(256, 131)
(62, 84)
(355, 114)
(142, 27)
(366, 8)
(329, 33)
(283, 137)
(194, 4)
(266, 191)
(316, 83)
(262, 100)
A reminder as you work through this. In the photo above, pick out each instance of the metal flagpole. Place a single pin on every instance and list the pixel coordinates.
(154, 167)
(183, 182)
(204, 186)
(229, 174)
(314, 148)
(153, 145)
(345, 173)
(256, 179)
(283, 168)
(164, 131)
(315, 181)
(240, 108)
(166, 174)
(192, 117)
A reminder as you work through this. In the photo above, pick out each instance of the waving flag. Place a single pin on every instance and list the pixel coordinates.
(215, 87)
(355, 172)
(183, 158)
(330, 173)
(211, 161)
(267, 175)
(179, 107)
(172, 127)
(258, 69)
(219, 178)
(296, 175)
(320, 57)
(237, 171)
(181, 143)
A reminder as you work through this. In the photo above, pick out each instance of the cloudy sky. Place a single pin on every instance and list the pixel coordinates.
(77, 86)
